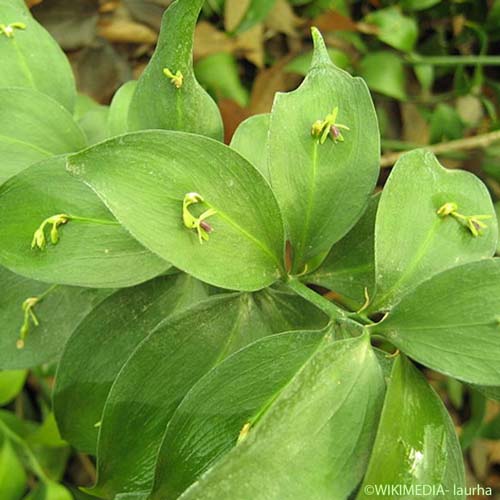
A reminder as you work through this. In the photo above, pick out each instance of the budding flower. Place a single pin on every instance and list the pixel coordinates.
(8, 29)
(29, 316)
(203, 228)
(39, 240)
(447, 209)
(474, 223)
(177, 80)
(322, 128)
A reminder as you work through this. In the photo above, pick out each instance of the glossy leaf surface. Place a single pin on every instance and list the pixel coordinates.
(416, 444)
(95, 253)
(313, 440)
(450, 323)
(157, 102)
(33, 127)
(157, 169)
(349, 268)
(11, 384)
(250, 140)
(31, 57)
(58, 314)
(322, 188)
(412, 242)
(119, 109)
(102, 343)
(206, 333)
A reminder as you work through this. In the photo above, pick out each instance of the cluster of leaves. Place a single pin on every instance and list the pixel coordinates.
(196, 361)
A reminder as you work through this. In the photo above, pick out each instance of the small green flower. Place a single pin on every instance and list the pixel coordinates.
(203, 228)
(177, 79)
(9, 29)
(39, 240)
(321, 129)
(474, 223)
(29, 317)
(447, 209)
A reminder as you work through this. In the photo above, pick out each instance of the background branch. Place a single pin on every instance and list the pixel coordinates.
(476, 142)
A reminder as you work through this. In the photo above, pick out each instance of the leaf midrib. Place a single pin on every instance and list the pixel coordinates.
(419, 255)
(248, 235)
(7, 138)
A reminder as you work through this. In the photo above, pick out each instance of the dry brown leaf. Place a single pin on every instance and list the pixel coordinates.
(268, 82)
(234, 12)
(209, 40)
(415, 128)
(232, 115)
(458, 23)
(333, 20)
(109, 6)
(251, 45)
(123, 31)
(282, 18)
(493, 447)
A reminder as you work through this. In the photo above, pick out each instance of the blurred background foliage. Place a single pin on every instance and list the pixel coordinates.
(434, 72)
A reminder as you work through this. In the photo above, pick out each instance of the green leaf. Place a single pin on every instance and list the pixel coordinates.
(178, 352)
(412, 242)
(394, 28)
(425, 74)
(31, 57)
(245, 249)
(16, 431)
(302, 63)
(33, 127)
(11, 382)
(322, 188)
(418, 4)
(416, 445)
(95, 253)
(450, 323)
(239, 391)
(446, 124)
(157, 103)
(47, 434)
(471, 429)
(207, 423)
(101, 345)
(256, 12)
(50, 490)
(384, 72)
(314, 437)
(491, 430)
(95, 124)
(83, 105)
(349, 268)
(12, 475)
(219, 74)
(250, 140)
(118, 111)
(58, 313)
(497, 210)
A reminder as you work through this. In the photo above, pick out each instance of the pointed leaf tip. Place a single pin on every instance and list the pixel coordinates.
(320, 56)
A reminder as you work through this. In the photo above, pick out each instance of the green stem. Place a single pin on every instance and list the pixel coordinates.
(25, 450)
(454, 60)
(360, 318)
(329, 308)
